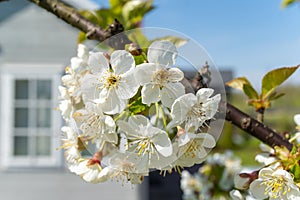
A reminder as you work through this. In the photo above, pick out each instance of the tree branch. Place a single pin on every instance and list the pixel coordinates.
(94, 32)
(255, 128)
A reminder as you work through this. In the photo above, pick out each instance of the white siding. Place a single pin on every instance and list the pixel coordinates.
(60, 186)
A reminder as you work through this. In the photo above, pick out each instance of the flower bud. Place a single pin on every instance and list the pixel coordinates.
(243, 180)
(135, 49)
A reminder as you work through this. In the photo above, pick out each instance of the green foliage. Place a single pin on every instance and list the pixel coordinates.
(137, 106)
(276, 77)
(286, 3)
(129, 13)
(250, 91)
(134, 11)
(270, 82)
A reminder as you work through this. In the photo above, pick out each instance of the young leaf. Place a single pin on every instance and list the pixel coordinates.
(286, 3)
(81, 37)
(274, 78)
(134, 11)
(177, 41)
(295, 169)
(137, 106)
(238, 83)
(250, 91)
(274, 96)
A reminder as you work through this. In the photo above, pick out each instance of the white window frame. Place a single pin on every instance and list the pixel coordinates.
(9, 73)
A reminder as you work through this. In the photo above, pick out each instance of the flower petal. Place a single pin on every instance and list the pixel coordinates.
(97, 62)
(208, 140)
(212, 106)
(297, 119)
(180, 108)
(170, 93)
(144, 73)
(258, 190)
(204, 93)
(162, 52)
(128, 86)
(131, 131)
(121, 61)
(77, 63)
(175, 74)
(150, 94)
(88, 87)
(185, 138)
(163, 144)
(82, 52)
(113, 103)
(138, 120)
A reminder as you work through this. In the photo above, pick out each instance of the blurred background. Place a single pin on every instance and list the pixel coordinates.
(244, 38)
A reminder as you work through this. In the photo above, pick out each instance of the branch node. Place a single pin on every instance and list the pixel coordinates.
(245, 122)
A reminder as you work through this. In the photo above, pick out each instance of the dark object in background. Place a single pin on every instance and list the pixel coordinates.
(159, 187)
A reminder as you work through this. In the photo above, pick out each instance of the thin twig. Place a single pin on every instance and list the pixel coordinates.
(93, 31)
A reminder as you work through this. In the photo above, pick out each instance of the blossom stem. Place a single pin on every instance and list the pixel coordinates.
(156, 113)
(163, 117)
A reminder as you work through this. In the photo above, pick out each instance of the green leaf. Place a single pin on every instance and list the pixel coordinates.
(275, 95)
(117, 3)
(90, 15)
(137, 36)
(238, 83)
(105, 17)
(134, 11)
(275, 78)
(81, 37)
(177, 41)
(295, 169)
(137, 106)
(250, 91)
(139, 59)
(286, 3)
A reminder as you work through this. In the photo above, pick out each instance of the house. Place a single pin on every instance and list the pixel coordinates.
(35, 47)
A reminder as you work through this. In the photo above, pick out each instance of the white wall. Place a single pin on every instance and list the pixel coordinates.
(60, 186)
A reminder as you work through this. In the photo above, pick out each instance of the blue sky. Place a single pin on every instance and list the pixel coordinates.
(251, 37)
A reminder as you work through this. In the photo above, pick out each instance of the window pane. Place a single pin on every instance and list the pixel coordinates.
(21, 89)
(20, 145)
(43, 117)
(43, 89)
(43, 145)
(21, 117)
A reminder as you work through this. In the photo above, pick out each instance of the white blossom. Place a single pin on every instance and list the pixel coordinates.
(89, 169)
(79, 63)
(125, 167)
(193, 148)
(297, 134)
(236, 195)
(93, 123)
(194, 110)
(275, 185)
(70, 144)
(146, 140)
(160, 83)
(112, 83)
(65, 105)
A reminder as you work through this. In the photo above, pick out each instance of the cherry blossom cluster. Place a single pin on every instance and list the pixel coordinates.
(125, 118)
(222, 176)
(279, 176)
(214, 179)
